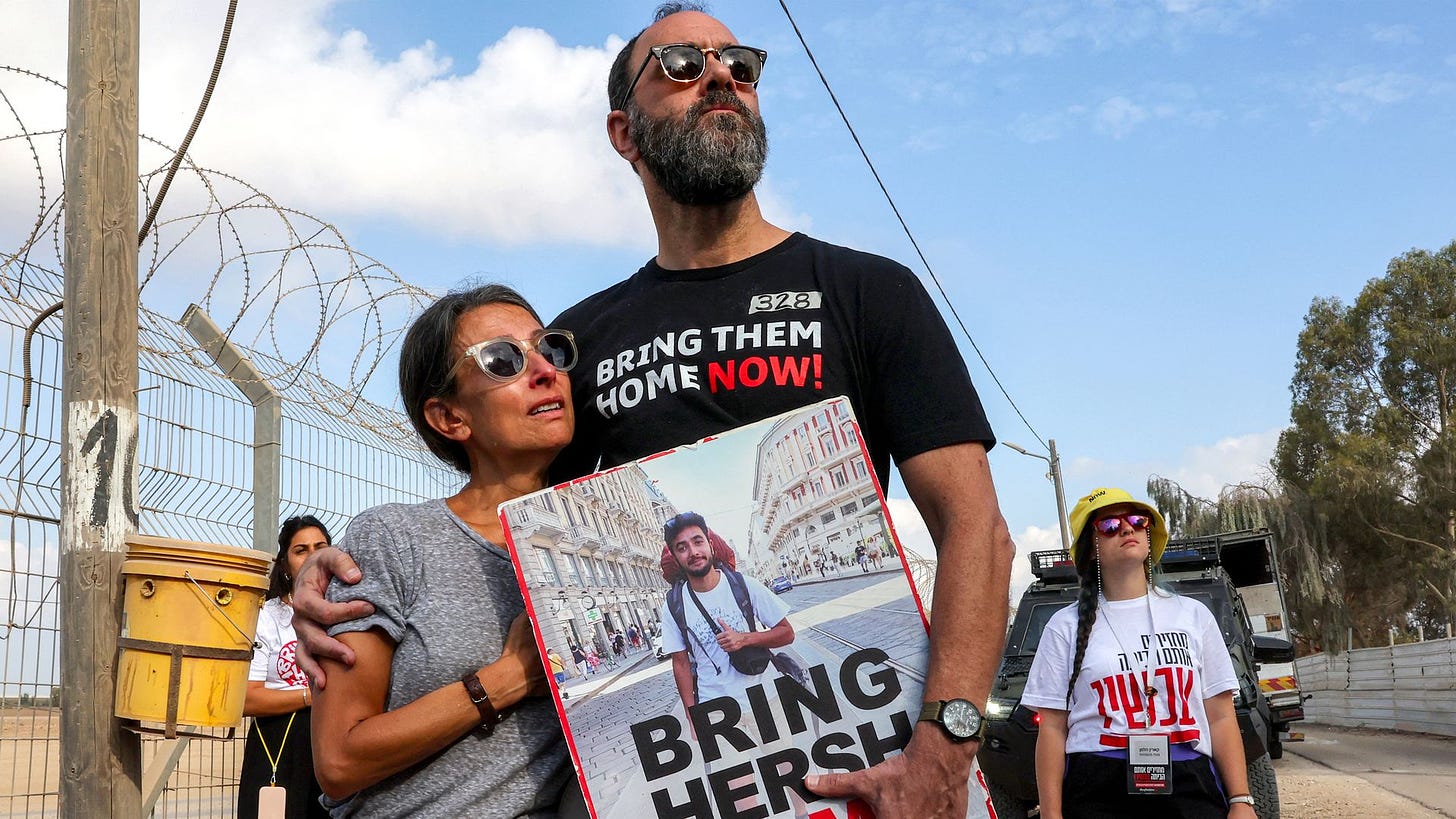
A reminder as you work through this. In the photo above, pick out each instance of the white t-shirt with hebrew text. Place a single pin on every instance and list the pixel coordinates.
(1189, 663)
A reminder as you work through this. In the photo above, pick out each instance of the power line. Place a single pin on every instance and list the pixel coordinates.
(903, 226)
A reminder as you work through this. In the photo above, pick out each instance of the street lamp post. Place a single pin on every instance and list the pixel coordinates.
(1055, 474)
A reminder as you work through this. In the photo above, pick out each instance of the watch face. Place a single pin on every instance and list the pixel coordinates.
(960, 718)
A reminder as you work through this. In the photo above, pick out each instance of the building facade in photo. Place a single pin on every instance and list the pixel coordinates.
(591, 556)
(814, 500)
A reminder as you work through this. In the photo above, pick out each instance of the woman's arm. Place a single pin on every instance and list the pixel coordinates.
(260, 701)
(1228, 750)
(356, 743)
(1051, 761)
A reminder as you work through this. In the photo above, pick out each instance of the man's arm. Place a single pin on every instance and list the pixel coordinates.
(952, 488)
(682, 675)
(312, 613)
(731, 640)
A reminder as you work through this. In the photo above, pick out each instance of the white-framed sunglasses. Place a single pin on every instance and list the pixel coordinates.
(504, 359)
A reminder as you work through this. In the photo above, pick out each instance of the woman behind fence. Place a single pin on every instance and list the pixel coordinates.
(278, 752)
(443, 713)
(1133, 684)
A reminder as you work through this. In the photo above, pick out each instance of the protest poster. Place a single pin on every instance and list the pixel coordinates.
(782, 520)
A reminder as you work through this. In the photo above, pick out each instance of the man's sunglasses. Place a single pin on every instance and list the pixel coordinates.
(684, 62)
(504, 359)
(1111, 525)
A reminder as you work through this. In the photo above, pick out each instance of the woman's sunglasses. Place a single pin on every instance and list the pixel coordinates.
(684, 62)
(504, 359)
(1111, 525)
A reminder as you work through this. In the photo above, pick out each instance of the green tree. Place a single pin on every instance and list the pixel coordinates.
(1370, 456)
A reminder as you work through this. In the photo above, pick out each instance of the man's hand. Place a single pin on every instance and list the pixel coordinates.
(312, 613)
(730, 640)
(927, 781)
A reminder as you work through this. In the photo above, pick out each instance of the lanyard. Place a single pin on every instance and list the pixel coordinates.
(1149, 690)
(273, 760)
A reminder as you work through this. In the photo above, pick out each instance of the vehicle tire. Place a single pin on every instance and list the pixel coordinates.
(1264, 788)
(1009, 807)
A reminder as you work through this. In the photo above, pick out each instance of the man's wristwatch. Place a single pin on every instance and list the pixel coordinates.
(961, 719)
(1244, 798)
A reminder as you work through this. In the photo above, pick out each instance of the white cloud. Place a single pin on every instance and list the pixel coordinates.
(1201, 469)
(1398, 34)
(1031, 539)
(1360, 95)
(1204, 470)
(1382, 89)
(502, 150)
(1118, 116)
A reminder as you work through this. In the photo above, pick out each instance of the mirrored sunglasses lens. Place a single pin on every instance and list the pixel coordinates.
(683, 63)
(1108, 526)
(559, 349)
(1138, 522)
(743, 63)
(501, 359)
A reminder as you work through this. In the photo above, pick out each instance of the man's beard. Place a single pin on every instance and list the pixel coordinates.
(703, 572)
(703, 165)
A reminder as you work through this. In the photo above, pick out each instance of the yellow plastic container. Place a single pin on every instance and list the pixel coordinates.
(191, 614)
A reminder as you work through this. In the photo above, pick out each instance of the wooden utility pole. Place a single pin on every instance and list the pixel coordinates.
(100, 763)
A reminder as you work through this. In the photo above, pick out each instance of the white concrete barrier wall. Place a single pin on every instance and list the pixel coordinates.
(1408, 687)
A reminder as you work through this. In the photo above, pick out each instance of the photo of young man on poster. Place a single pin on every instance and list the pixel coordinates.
(715, 612)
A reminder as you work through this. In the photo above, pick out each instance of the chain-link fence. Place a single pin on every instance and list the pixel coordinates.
(194, 479)
(316, 321)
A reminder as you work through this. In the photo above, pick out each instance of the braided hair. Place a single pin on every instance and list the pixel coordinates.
(1087, 573)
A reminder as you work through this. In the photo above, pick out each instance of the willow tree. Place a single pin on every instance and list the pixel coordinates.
(1372, 446)
(1313, 584)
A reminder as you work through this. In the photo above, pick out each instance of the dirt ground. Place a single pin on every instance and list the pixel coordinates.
(1308, 790)
(29, 764)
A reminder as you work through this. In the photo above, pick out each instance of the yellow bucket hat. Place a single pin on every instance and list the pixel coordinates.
(1103, 497)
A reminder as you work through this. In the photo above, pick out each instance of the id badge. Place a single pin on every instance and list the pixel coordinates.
(1149, 765)
(272, 802)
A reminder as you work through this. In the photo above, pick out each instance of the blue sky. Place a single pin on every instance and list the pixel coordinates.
(1130, 204)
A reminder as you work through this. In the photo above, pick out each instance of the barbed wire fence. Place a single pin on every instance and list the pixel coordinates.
(317, 319)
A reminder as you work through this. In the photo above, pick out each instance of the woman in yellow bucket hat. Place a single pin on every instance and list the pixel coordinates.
(1133, 684)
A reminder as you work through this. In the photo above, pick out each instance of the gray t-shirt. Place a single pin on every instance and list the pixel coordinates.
(446, 597)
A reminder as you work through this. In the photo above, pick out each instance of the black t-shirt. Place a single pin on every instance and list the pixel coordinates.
(669, 357)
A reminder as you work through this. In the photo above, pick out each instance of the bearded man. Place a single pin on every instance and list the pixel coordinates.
(736, 320)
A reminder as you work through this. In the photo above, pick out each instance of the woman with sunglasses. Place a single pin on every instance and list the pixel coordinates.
(278, 752)
(443, 713)
(1133, 684)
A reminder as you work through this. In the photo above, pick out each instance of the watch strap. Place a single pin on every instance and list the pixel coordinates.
(1244, 798)
(489, 717)
(930, 711)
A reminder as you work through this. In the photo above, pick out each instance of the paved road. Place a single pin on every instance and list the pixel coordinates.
(1358, 771)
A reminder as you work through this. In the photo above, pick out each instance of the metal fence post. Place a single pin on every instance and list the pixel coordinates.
(267, 421)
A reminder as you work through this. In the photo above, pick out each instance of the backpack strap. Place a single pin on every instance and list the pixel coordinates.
(740, 595)
(675, 608)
